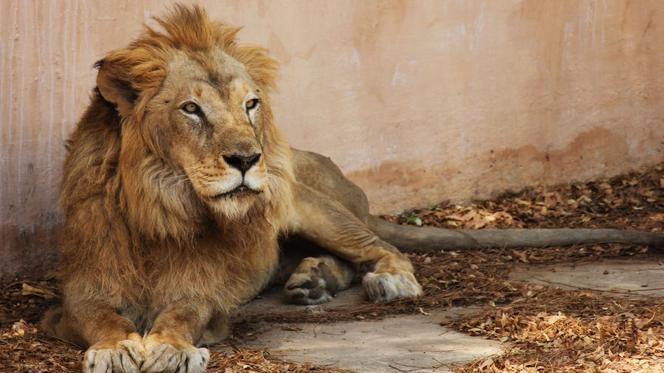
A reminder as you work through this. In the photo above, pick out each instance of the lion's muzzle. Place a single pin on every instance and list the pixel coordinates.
(245, 175)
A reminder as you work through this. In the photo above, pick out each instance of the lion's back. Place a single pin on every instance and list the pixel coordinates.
(320, 173)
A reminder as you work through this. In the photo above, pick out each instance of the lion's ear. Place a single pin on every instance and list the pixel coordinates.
(115, 86)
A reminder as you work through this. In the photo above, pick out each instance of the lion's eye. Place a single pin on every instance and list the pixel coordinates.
(251, 104)
(191, 108)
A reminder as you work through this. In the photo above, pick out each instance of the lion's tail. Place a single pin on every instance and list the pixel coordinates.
(429, 239)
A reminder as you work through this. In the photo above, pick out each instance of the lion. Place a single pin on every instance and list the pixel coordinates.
(182, 200)
(177, 187)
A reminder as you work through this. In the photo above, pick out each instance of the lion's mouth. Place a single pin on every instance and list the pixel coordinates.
(241, 191)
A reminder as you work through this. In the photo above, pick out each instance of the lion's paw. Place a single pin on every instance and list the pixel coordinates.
(164, 358)
(307, 288)
(127, 357)
(384, 287)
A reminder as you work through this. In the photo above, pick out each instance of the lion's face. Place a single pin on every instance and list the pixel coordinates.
(208, 117)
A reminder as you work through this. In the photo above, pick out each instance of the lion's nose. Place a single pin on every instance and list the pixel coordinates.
(242, 162)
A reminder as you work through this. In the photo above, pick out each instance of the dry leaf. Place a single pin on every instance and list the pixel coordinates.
(27, 289)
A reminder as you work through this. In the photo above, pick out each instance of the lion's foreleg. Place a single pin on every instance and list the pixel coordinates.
(171, 344)
(327, 223)
(114, 344)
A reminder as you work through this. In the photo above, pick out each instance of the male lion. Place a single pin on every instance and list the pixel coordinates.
(177, 187)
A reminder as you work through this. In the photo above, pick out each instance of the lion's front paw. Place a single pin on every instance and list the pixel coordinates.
(126, 357)
(384, 287)
(165, 358)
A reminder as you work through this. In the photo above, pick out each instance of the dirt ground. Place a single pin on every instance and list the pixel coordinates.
(545, 328)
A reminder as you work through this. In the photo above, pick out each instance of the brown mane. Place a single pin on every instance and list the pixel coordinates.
(119, 169)
(144, 62)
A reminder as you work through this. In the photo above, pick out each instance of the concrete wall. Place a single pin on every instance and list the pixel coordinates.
(418, 101)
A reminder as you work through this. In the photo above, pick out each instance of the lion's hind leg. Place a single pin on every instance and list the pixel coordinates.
(330, 225)
(317, 279)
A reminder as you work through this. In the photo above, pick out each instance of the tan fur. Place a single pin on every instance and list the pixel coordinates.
(150, 244)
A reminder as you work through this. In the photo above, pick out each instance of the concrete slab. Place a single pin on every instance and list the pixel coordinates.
(619, 277)
(405, 343)
(413, 343)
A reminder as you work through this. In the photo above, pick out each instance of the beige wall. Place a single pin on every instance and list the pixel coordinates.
(417, 101)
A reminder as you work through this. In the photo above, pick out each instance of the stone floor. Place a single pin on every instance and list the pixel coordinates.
(415, 343)
(418, 343)
(619, 277)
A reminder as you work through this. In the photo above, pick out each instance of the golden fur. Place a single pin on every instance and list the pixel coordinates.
(153, 244)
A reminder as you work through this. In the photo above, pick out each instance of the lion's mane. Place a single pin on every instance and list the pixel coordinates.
(127, 206)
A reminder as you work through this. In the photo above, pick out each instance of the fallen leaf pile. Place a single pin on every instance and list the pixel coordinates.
(546, 329)
(634, 200)
(250, 361)
(569, 331)
(24, 349)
